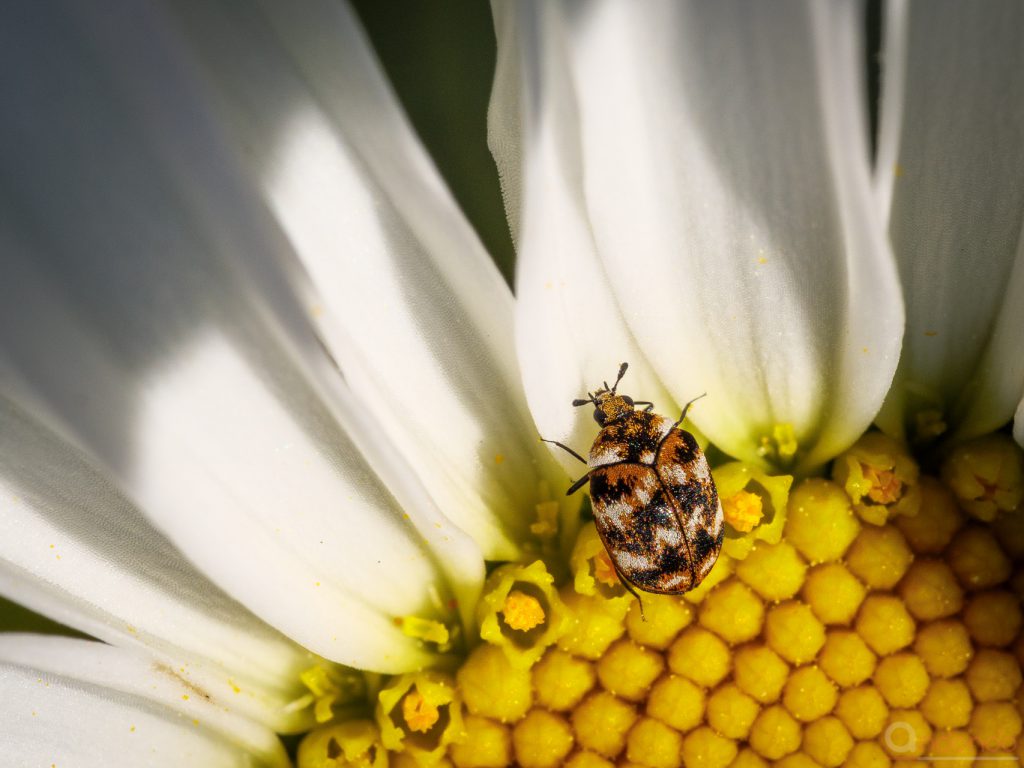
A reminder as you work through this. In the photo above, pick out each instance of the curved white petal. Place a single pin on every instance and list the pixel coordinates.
(67, 702)
(143, 326)
(402, 291)
(73, 548)
(725, 185)
(950, 164)
(570, 332)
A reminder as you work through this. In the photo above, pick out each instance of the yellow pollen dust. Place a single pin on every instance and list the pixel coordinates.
(886, 488)
(420, 715)
(604, 571)
(743, 510)
(522, 612)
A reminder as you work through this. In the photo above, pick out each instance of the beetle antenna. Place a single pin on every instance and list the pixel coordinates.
(622, 372)
(577, 403)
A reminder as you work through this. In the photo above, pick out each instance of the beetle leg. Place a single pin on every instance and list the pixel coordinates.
(686, 408)
(578, 484)
(565, 448)
(629, 588)
(648, 403)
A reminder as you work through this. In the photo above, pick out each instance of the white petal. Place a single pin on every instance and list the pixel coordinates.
(72, 548)
(950, 163)
(725, 183)
(570, 331)
(78, 703)
(405, 297)
(140, 325)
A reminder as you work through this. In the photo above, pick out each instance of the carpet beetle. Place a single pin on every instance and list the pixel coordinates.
(655, 503)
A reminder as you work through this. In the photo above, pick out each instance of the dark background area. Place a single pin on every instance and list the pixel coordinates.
(440, 59)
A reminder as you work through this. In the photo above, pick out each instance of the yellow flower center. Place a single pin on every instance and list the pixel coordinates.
(522, 612)
(604, 571)
(419, 714)
(743, 510)
(854, 637)
(885, 487)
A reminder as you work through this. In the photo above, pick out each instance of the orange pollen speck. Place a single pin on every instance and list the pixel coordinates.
(886, 488)
(419, 714)
(743, 510)
(604, 571)
(522, 612)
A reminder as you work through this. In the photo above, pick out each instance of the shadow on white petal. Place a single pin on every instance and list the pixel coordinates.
(81, 703)
(950, 163)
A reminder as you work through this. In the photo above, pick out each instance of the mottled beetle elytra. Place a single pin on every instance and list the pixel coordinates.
(655, 503)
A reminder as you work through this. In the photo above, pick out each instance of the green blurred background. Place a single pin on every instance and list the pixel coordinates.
(440, 58)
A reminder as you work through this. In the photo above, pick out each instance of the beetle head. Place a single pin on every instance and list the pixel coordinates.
(608, 406)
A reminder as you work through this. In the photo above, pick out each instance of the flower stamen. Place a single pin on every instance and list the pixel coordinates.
(522, 612)
(743, 510)
(419, 714)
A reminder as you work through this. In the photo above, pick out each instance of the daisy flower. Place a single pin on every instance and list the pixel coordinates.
(269, 414)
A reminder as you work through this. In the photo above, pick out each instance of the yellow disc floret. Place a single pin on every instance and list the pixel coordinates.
(863, 711)
(628, 669)
(601, 723)
(846, 658)
(879, 556)
(995, 725)
(827, 741)
(932, 528)
(930, 590)
(993, 675)
(948, 745)
(743, 510)
(809, 694)
(541, 740)
(419, 713)
(947, 704)
(774, 571)
(987, 476)
(594, 623)
(747, 492)
(704, 747)
(902, 679)
(561, 680)
(867, 754)
(654, 744)
(678, 702)
(760, 672)
(521, 612)
(663, 617)
(885, 624)
(820, 522)
(700, 656)
(492, 687)
(731, 712)
(794, 632)
(906, 734)
(488, 745)
(775, 733)
(977, 559)
(355, 743)
(944, 647)
(833, 593)
(732, 611)
(880, 478)
(993, 618)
